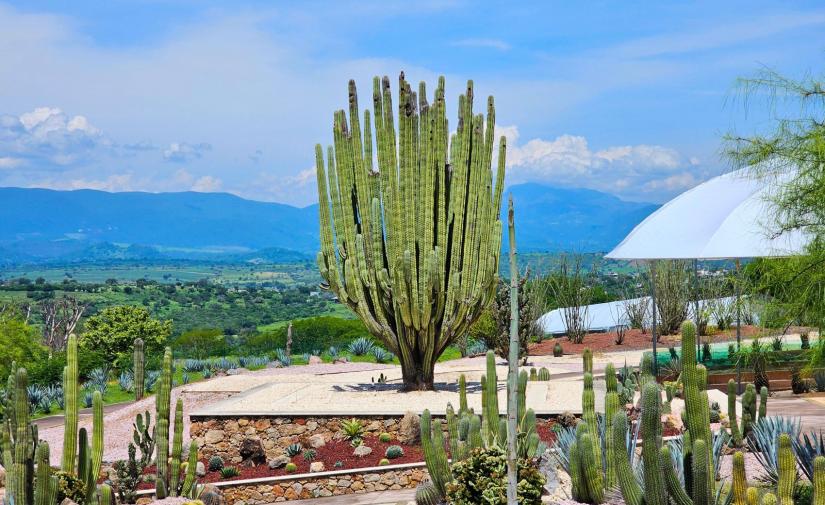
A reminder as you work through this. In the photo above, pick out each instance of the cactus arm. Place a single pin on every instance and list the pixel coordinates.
(701, 493)
(611, 407)
(734, 426)
(631, 491)
(434, 455)
(138, 364)
(786, 468)
(651, 440)
(672, 483)
(591, 468)
(177, 448)
(191, 467)
(97, 434)
(70, 415)
(740, 483)
(763, 403)
(576, 478)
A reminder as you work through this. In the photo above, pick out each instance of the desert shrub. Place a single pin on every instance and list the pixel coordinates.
(201, 343)
(672, 281)
(19, 343)
(482, 478)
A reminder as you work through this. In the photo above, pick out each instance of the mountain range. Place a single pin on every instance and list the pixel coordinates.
(49, 226)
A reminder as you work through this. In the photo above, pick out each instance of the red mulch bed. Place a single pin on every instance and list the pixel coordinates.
(633, 340)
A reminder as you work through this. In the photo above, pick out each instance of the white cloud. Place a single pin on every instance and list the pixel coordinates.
(7, 162)
(568, 160)
(181, 152)
(207, 184)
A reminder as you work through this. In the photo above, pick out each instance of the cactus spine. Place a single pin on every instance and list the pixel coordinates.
(386, 235)
(138, 364)
(70, 416)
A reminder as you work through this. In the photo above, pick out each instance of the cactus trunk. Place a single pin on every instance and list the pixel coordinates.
(138, 364)
(70, 415)
(412, 247)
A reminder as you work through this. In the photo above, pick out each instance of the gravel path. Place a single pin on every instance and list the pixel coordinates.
(117, 432)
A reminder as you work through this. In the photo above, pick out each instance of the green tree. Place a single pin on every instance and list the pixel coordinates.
(790, 156)
(114, 329)
(19, 344)
(201, 342)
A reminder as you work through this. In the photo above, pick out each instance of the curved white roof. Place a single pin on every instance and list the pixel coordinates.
(724, 217)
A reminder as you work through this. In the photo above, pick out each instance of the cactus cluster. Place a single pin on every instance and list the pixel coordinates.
(168, 480)
(30, 479)
(750, 414)
(468, 431)
(413, 247)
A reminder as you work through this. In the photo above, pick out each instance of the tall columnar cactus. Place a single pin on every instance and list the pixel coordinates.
(631, 490)
(735, 432)
(70, 373)
(763, 403)
(46, 484)
(739, 487)
(819, 481)
(138, 364)
(177, 448)
(787, 470)
(489, 401)
(587, 359)
(19, 441)
(749, 412)
(697, 411)
(611, 407)
(412, 247)
(462, 395)
(97, 436)
(432, 444)
(655, 493)
(162, 404)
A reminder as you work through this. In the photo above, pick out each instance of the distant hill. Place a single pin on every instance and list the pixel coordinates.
(555, 219)
(44, 226)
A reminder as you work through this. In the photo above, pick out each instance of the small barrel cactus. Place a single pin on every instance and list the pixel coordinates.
(215, 464)
(291, 468)
(557, 350)
(394, 451)
(384, 462)
(385, 437)
(427, 494)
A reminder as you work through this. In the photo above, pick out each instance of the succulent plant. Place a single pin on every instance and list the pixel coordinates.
(228, 472)
(309, 454)
(384, 462)
(215, 463)
(293, 450)
(394, 451)
(291, 468)
(385, 437)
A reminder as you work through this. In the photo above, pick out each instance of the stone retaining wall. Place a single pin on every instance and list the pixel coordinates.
(321, 486)
(224, 436)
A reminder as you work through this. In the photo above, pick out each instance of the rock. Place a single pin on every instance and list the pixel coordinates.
(278, 462)
(213, 437)
(236, 371)
(568, 420)
(317, 441)
(274, 364)
(252, 452)
(361, 451)
(316, 466)
(342, 359)
(315, 360)
(212, 495)
(200, 470)
(409, 429)
(67, 501)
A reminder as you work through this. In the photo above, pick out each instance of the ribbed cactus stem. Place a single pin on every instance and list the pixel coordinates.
(452, 432)
(694, 378)
(735, 434)
(544, 374)
(409, 246)
(631, 490)
(611, 407)
(787, 469)
(651, 440)
(740, 482)
(490, 391)
(753, 496)
(188, 487)
(587, 360)
(591, 467)
(462, 395)
(435, 456)
(427, 494)
(71, 404)
(138, 364)
(104, 495)
(589, 416)
(97, 434)
(474, 437)
(177, 448)
(672, 483)
(819, 481)
(576, 478)
(18, 442)
(768, 499)
(763, 403)
(162, 420)
(702, 494)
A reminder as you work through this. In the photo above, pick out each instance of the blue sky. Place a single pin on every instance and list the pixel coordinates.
(626, 97)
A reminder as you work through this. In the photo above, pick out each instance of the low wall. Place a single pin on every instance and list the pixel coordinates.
(223, 436)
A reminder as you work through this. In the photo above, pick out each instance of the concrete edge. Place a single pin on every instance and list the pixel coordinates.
(207, 414)
(298, 476)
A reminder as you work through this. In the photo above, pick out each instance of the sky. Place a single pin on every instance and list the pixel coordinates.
(631, 98)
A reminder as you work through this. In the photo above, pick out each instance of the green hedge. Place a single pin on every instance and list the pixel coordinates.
(315, 333)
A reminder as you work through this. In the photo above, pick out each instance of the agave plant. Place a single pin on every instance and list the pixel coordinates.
(763, 443)
(151, 379)
(36, 395)
(282, 356)
(333, 352)
(381, 355)
(361, 346)
(194, 365)
(126, 381)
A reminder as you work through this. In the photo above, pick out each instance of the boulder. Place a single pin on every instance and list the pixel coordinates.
(252, 452)
(213, 436)
(409, 428)
(236, 371)
(361, 451)
(200, 470)
(317, 441)
(316, 466)
(341, 359)
(315, 360)
(212, 495)
(278, 462)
